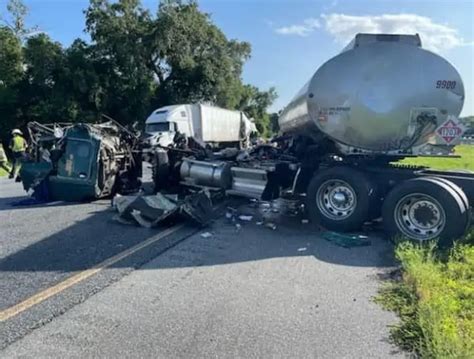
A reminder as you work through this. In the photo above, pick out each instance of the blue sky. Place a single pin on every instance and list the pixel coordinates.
(292, 38)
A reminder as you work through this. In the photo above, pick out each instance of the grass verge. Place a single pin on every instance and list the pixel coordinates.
(466, 162)
(434, 299)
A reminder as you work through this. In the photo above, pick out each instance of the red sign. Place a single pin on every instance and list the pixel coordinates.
(449, 131)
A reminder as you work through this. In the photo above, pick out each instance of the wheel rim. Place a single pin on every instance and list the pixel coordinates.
(336, 199)
(420, 217)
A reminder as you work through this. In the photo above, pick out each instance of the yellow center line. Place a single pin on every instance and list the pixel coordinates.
(79, 277)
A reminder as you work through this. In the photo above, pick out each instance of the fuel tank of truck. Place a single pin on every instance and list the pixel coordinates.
(381, 93)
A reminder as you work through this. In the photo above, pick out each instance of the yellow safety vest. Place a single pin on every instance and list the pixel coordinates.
(18, 144)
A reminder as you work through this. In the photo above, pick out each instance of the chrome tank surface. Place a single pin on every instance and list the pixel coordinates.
(201, 173)
(382, 93)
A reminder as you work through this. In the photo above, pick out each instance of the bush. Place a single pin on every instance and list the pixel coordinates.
(435, 301)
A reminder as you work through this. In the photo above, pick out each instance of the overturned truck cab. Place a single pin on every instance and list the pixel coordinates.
(78, 162)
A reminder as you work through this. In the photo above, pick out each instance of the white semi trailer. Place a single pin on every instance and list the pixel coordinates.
(383, 98)
(209, 124)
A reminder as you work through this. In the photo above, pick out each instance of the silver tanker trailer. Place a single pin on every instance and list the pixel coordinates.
(381, 99)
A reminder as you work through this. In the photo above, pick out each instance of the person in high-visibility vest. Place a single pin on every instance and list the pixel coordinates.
(3, 159)
(18, 147)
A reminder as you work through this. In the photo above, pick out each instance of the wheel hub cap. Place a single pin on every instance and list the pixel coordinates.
(339, 198)
(336, 199)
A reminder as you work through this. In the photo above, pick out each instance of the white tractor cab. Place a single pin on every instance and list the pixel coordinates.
(210, 124)
(164, 122)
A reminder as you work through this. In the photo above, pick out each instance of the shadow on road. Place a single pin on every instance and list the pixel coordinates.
(96, 238)
(26, 202)
(90, 241)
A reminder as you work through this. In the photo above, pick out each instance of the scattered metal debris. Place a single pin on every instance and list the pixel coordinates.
(245, 218)
(271, 225)
(347, 240)
(149, 211)
(198, 207)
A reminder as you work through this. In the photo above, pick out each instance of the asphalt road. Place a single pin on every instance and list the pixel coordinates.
(42, 245)
(248, 292)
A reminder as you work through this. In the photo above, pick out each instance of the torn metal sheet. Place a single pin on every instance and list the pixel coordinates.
(198, 207)
(150, 211)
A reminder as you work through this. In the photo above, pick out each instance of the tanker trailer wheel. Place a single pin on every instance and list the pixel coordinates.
(459, 191)
(341, 199)
(424, 209)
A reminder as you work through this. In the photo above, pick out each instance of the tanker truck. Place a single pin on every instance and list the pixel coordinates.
(382, 99)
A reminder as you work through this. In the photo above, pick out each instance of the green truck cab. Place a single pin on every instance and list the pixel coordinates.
(87, 162)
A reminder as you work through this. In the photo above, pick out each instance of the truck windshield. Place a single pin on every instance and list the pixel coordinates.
(158, 127)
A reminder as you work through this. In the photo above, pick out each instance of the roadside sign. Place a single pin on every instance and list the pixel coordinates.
(451, 130)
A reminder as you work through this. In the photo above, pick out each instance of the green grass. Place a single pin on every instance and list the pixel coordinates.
(434, 297)
(434, 300)
(466, 162)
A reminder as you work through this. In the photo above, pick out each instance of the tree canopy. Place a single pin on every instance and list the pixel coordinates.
(136, 61)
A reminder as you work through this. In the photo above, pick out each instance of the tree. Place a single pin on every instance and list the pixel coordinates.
(188, 58)
(118, 31)
(136, 61)
(274, 125)
(255, 103)
(193, 58)
(84, 81)
(10, 57)
(39, 96)
(11, 71)
(16, 20)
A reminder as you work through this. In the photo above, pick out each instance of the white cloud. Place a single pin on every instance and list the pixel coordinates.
(303, 29)
(434, 36)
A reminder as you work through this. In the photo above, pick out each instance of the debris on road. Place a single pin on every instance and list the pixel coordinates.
(304, 221)
(206, 235)
(347, 240)
(149, 211)
(271, 225)
(302, 249)
(265, 205)
(198, 207)
(245, 218)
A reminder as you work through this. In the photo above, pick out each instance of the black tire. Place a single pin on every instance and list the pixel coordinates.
(319, 207)
(160, 170)
(448, 204)
(462, 195)
(456, 189)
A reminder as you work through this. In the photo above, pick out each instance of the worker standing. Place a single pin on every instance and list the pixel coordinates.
(3, 159)
(18, 147)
